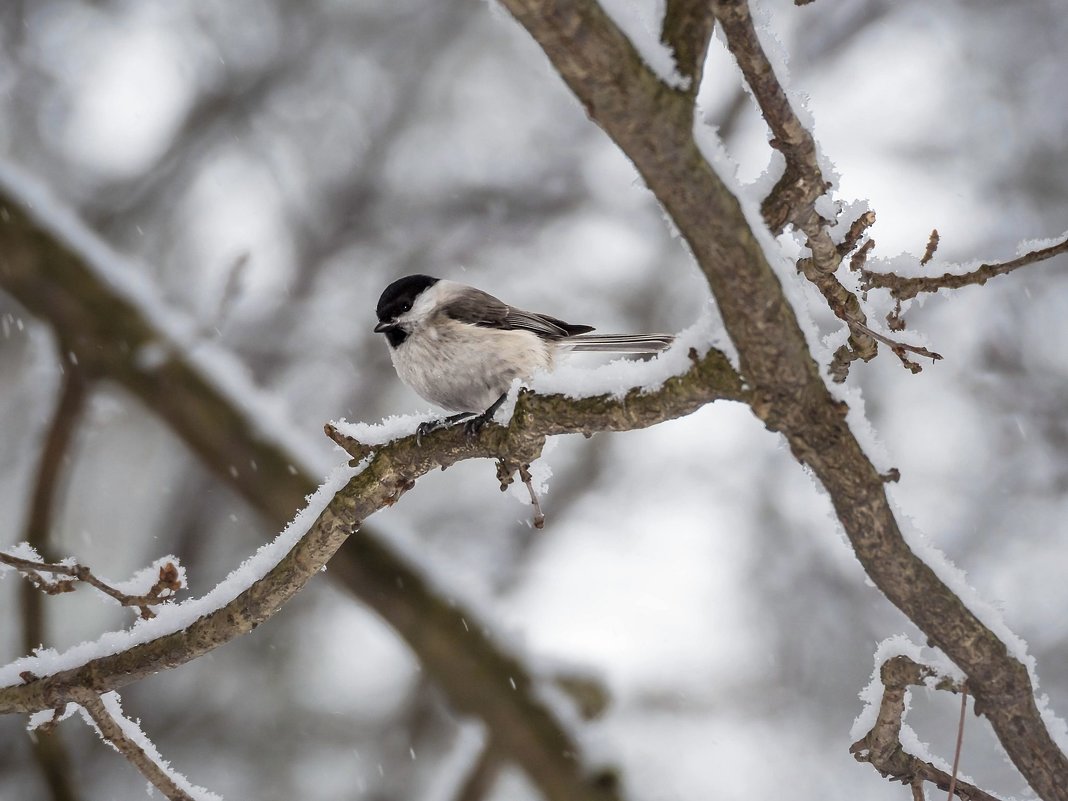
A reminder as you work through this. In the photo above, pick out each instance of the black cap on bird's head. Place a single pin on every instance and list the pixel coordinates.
(396, 299)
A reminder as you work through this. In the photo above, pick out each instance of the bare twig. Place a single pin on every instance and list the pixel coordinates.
(903, 288)
(932, 246)
(861, 256)
(524, 475)
(164, 588)
(881, 747)
(960, 743)
(899, 348)
(859, 227)
(112, 732)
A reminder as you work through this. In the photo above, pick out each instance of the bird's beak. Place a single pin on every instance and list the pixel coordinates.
(381, 328)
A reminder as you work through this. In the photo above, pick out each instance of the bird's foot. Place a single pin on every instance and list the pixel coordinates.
(475, 425)
(430, 426)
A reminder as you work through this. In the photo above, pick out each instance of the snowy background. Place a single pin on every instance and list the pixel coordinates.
(330, 147)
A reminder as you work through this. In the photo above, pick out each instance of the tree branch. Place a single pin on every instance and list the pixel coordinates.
(904, 288)
(687, 30)
(107, 331)
(793, 199)
(881, 747)
(113, 733)
(652, 127)
(169, 582)
(389, 473)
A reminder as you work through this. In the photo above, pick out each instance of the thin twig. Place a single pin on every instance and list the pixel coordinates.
(859, 227)
(960, 742)
(932, 246)
(113, 733)
(169, 582)
(524, 475)
(49, 750)
(903, 288)
(899, 348)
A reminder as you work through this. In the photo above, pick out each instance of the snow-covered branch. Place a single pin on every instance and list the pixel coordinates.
(168, 582)
(904, 287)
(788, 393)
(104, 713)
(882, 746)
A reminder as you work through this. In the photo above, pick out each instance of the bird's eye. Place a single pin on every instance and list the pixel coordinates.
(406, 306)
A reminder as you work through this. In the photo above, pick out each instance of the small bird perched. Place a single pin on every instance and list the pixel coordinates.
(460, 348)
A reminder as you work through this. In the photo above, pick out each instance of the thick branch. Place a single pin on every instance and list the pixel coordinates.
(391, 472)
(652, 127)
(903, 288)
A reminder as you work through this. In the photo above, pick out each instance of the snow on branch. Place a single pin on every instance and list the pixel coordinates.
(169, 579)
(793, 200)
(104, 713)
(882, 747)
(654, 129)
(380, 482)
(906, 287)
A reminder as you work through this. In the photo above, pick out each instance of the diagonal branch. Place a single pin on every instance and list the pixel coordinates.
(387, 475)
(653, 129)
(904, 288)
(107, 723)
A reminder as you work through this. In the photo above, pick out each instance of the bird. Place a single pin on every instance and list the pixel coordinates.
(461, 348)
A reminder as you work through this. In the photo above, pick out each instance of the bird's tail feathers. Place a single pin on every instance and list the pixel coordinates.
(619, 343)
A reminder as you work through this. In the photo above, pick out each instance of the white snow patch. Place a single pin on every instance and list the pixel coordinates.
(390, 428)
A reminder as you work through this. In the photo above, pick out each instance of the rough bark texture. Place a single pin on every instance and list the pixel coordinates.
(651, 125)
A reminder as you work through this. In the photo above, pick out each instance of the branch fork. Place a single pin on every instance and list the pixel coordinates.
(881, 747)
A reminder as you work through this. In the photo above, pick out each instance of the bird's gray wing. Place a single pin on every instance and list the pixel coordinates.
(476, 307)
